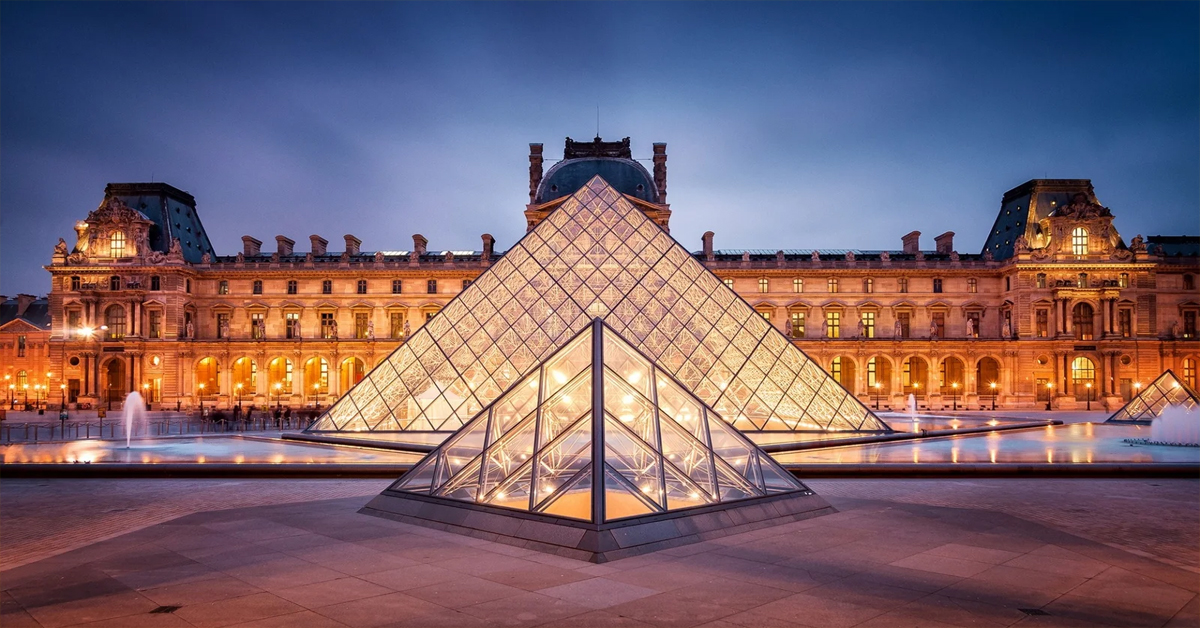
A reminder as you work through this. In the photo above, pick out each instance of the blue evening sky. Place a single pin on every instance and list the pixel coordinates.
(787, 125)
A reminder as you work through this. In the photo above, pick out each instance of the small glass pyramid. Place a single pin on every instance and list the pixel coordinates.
(1162, 393)
(597, 256)
(598, 433)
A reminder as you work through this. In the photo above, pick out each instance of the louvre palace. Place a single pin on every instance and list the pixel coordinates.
(1058, 308)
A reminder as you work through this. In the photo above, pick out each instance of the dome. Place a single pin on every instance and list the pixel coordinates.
(625, 175)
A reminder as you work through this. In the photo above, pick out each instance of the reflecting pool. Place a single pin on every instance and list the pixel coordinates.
(222, 449)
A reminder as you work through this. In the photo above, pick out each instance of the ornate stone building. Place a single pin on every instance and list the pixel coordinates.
(1057, 306)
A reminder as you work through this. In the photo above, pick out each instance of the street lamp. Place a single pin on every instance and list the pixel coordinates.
(954, 395)
(25, 400)
(278, 394)
(993, 387)
(239, 395)
(146, 394)
(878, 386)
(1049, 394)
(7, 380)
(316, 391)
(202, 400)
(1089, 395)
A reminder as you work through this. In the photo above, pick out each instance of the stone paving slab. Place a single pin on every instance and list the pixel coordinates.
(877, 562)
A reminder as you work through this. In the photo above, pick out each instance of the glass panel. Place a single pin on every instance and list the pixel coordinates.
(514, 492)
(465, 445)
(681, 492)
(732, 485)
(730, 446)
(634, 460)
(634, 411)
(566, 406)
(627, 364)
(620, 500)
(563, 458)
(680, 407)
(464, 486)
(515, 406)
(681, 451)
(575, 501)
(420, 478)
(508, 453)
(775, 478)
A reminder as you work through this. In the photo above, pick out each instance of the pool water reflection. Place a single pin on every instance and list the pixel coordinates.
(222, 449)
(1078, 443)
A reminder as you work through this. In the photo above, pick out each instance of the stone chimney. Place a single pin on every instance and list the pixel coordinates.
(23, 303)
(489, 244)
(535, 169)
(707, 239)
(912, 242)
(285, 245)
(352, 244)
(251, 246)
(319, 245)
(945, 242)
(419, 244)
(660, 170)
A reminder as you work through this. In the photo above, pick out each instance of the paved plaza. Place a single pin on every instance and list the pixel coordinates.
(898, 553)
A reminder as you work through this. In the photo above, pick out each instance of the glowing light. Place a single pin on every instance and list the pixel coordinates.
(634, 377)
(627, 399)
(646, 488)
(559, 377)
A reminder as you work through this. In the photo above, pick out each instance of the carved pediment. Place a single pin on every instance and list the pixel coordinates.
(1082, 207)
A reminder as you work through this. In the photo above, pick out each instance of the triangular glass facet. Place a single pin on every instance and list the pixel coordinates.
(1165, 391)
(656, 458)
(597, 255)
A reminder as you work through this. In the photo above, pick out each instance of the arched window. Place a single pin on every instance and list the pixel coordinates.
(245, 377)
(1079, 241)
(116, 244)
(114, 319)
(279, 378)
(206, 378)
(1083, 318)
(1083, 372)
(22, 379)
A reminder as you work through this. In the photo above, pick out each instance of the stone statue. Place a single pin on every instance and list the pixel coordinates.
(745, 256)
(1021, 245)
(897, 330)
(261, 326)
(345, 256)
(825, 328)
(308, 257)
(189, 330)
(1175, 329)
(241, 258)
(275, 257)
(816, 257)
(787, 328)
(849, 256)
(370, 330)
(225, 329)
(1137, 244)
(920, 256)
(1008, 331)
(175, 252)
(987, 255)
(954, 256)
(206, 259)
(407, 330)
(61, 247)
(333, 330)
(378, 257)
(862, 329)
(970, 327)
(885, 257)
(933, 329)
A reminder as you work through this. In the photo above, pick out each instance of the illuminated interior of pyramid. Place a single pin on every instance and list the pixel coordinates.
(1165, 391)
(598, 433)
(597, 256)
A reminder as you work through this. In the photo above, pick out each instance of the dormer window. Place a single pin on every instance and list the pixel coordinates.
(1079, 242)
(116, 244)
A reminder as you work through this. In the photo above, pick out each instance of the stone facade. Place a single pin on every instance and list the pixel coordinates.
(300, 328)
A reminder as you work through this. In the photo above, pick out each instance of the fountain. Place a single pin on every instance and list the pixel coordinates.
(1177, 425)
(135, 409)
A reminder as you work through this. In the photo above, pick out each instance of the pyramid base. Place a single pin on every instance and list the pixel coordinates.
(597, 543)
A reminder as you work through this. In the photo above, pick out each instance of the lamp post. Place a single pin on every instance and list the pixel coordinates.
(238, 387)
(8, 382)
(278, 394)
(1089, 396)
(1049, 394)
(316, 391)
(878, 386)
(37, 396)
(25, 398)
(202, 400)
(49, 376)
(993, 387)
(954, 395)
(146, 394)
(62, 398)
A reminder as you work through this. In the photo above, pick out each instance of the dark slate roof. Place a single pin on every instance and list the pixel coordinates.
(37, 314)
(625, 175)
(173, 213)
(1175, 246)
(363, 256)
(1025, 205)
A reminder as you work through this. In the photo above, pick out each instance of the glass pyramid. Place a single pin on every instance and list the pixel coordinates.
(597, 256)
(598, 433)
(1163, 392)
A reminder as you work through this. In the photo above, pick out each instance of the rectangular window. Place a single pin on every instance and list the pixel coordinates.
(362, 286)
(833, 321)
(797, 324)
(766, 315)
(938, 329)
(832, 284)
(763, 284)
(973, 285)
(156, 326)
(75, 282)
(797, 285)
(222, 325)
(74, 318)
(728, 283)
(20, 346)
(327, 324)
(868, 320)
(258, 325)
(257, 286)
(1125, 322)
(291, 286)
(974, 318)
(1041, 280)
(905, 323)
(429, 316)
(902, 284)
(360, 324)
(1189, 324)
(116, 247)
(397, 286)
(114, 283)
(431, 286)
(868, 285)
(396, 325)
(155, 282)
(937, 285)
(1123, 280)
(327, 286)
(466, 284)
(187, 286)
(223, 287)
(1042, 318)
(293, 325)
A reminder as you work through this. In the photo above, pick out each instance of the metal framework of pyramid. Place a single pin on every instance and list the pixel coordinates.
(599, 454)
(1162, 393)
(597, 255)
